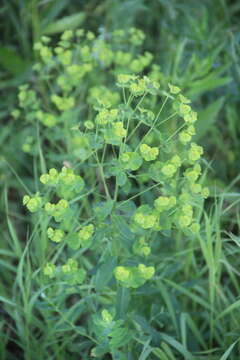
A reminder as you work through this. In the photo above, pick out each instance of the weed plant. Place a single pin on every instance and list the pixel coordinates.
(121, 261)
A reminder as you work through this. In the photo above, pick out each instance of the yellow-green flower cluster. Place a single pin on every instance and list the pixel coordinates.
(133, 277)
(67, 183)
(118, 129)
(106, 316)
(163, 203)
(195, 152)
(44, 51)
(51, 178)
(185, 136)
(138, 85)
(106, 116)
(124, 80)
(28, 145)
(85, 235)
(34, 203)
(58, 211)
(27, 98)
(141, 62)
(149, 153)
(122, 58)
(63, 103)
(170, 167)
(102, 97)
(140, 247)
(136, 36)
(186, 216)
(145, 217)
(73, 275)
(70, 266)
(49, 270)
(174, 89)
(47, 119)
(55, 235)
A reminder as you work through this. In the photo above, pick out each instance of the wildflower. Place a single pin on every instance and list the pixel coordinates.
(55, 235)
(145, 217)
(49, 270)
(163, 203)
(85, 234)
(121, 273)
(33, 204)
(195, 152)
(63, 103)
(184, 221)
(195, 227)
(141, 248)
(124, 79)
(106, 316)
(183, 99)
(70, 267)
(190, 117)
(89, 125)
(169, 170)
(146, 272)
(149, 153)
(196, 188)
(51, 178)
(65, 57)
(106, 116)
(136, 36)
(174, 89)
(58, 211)
(205, 192)
(184, 109)
(119, 130)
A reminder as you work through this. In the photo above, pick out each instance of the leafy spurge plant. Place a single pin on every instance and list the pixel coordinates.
(136, 136)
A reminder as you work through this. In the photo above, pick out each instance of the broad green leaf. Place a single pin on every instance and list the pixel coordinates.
(121, 178)
(11, 61)
(104, 209)
(104, 274)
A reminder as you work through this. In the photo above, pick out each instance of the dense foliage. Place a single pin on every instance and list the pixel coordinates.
(120, 233)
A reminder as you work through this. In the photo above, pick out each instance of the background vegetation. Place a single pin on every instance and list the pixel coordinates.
(196, 45)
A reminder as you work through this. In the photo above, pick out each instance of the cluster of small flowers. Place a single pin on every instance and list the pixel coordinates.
(140, 247)
(138, 86)
(69, 185)
(178, 192)
(176, 170)
(77, 55)
(134, 276)
(80, 55)
(71, 273)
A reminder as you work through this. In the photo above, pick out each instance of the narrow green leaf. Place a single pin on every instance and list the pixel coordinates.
(175, 344)
(66, 23)
(228, 351)
(207, 117)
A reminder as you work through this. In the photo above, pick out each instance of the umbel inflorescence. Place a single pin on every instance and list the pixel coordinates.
(137, 134)
(131, 174)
